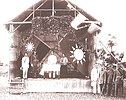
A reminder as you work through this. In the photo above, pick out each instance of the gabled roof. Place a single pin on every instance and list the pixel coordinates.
(45, 8)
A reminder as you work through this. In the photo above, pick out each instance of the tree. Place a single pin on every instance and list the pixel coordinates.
(111, 42)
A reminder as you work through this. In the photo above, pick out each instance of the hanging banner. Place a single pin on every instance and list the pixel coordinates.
(93, 28)
(78, 20)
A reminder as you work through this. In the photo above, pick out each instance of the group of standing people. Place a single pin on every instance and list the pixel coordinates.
(107, 80)
(32, 63)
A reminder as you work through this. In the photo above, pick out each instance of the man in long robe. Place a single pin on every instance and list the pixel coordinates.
(63, 70)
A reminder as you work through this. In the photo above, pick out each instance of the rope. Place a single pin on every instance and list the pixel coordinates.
(110, 53)
(107, 49)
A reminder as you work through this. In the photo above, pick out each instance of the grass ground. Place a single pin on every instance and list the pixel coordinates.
(5, 95)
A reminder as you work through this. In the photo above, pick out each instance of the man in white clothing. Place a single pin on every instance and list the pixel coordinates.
(25, 65)
(94, 78)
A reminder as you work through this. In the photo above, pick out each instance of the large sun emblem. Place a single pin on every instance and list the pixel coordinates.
(29, 46)
(78, 54)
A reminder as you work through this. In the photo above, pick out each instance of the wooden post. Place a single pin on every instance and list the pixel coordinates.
(90, 54)
(53, 9)
(12, 55)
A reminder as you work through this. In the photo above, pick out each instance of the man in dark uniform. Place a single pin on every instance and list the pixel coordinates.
(34, 64)
(103, 80)
(109, 79)
(118, 80)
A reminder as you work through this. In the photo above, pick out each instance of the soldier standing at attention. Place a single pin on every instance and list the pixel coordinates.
(110, 73)
(25, 65)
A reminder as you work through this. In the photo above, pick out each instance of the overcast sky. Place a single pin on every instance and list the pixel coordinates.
(110, 12)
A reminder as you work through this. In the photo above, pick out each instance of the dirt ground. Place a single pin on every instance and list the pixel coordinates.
(5, 95)
(55, 96)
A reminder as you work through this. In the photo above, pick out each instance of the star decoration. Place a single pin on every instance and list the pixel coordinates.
(77, 54)
(29, 46)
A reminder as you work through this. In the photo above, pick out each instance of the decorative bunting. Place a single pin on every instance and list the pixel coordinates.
(52, 25)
